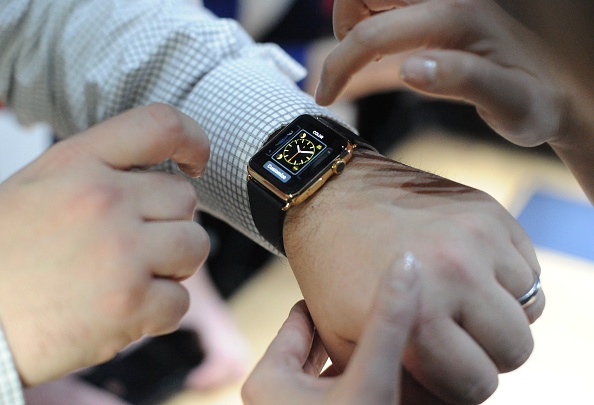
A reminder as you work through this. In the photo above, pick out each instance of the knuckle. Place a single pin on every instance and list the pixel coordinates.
(167, 118)
(185, 198)
(477, 226)
(537, 128)
(168, 325)
(453, 261)
(119, 250)
(97, 200)
(169, 315)
(365, 33)
(188, 197)
(194, 246)
(126, 301)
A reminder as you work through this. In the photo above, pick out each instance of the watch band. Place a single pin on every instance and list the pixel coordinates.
(268, 214)
(268, 211)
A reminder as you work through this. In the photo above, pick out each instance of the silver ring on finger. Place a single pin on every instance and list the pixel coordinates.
(528, 299)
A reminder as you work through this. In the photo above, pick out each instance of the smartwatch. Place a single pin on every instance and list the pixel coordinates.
(292, 165)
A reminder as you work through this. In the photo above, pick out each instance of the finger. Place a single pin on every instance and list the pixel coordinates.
(377, 361)
(464, 76)
(495, 320)
(277, 377)
(166, 303)
(291, 346)
(518, 271)
(518, 275)
(520, 281)
(175, 249)
(443, 345)
(161, 196)
(535, 310)
(317, 357)
(149, 135)
(433, 24)
(525, 247)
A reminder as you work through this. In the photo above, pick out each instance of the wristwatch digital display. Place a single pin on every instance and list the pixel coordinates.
(293, 164)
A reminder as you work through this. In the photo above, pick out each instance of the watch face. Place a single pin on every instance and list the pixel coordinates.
(299, 151)
(295, 157)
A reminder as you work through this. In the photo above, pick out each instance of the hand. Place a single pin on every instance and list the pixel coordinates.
(288, 373)
(91, 254)
(476, 260)
(462, 50)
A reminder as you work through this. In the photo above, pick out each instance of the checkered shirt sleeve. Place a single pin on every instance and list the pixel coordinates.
(11, 392)
(74, 63)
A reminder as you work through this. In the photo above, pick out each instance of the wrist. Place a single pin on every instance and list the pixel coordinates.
(321, 229)
(369, 190)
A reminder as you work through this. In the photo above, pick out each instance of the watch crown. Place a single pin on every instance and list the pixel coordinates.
(338, 166)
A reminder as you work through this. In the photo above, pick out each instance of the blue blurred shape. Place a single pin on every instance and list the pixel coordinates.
(560, 224)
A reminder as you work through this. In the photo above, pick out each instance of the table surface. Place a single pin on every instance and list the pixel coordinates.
(559, 370)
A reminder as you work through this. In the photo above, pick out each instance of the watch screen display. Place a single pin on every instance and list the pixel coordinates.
(298, 154)
(301, 150)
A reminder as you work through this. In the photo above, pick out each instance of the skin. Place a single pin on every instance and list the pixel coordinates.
(288, 373)
(530, 90)
(476, 261)
(93, 253)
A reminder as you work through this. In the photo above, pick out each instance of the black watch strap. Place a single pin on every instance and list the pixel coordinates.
(268, 214)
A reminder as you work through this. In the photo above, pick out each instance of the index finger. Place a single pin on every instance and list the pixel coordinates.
(377, 361)
(149, 135)
(422, 25)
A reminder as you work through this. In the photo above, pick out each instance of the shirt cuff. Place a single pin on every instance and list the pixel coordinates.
(11, 391)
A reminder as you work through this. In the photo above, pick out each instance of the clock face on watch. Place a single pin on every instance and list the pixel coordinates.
(298, 155)
(299, 151)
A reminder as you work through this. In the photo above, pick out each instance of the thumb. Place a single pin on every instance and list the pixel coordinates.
(148, 135)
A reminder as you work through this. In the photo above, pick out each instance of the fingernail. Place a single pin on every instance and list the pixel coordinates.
(405, 274)
(410, 262)
(418, 71)
(190, 170)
